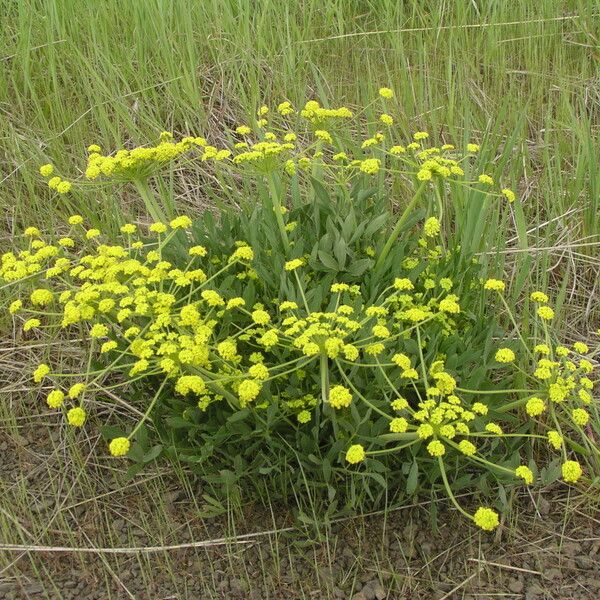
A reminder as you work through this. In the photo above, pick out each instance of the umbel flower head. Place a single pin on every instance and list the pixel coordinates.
(525, 474)
(571, 471)
(340, 397)
(355, 454)
(505, 355)
(119, 446)
(486, 518)
(76, 416)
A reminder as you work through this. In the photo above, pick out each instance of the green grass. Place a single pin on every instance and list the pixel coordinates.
(520, 77)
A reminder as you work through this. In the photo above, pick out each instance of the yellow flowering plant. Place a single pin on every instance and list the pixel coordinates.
(318, 325)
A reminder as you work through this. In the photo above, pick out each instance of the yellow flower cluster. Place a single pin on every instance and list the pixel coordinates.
(355, 454)
(564, 385)
(275, 144)
(154, 319)
(23, 263)
(265, 156)
(320, 116)
(443, 415)
(151, 317)
(486, 518)
(505, 355)
(166, 320)
(435, 161)
(324, 333)
(142, 161)
(55, 183)
(340, 397)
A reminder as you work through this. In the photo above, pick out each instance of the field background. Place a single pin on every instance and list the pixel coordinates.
(522, 78)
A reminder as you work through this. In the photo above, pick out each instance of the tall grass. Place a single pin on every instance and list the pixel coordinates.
(520, 77)
(523, 76)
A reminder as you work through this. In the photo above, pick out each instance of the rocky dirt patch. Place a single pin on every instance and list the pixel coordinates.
(58, 490)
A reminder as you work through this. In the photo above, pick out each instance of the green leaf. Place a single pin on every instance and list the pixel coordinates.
(320, 191)
(380, 479)
(110, 432)
(179, 423)
(136, 453)
(328, 261)
(349, 226)
(133, 470)
(240, 415)
(376, 224)
(339, 249)
(412, 479)
(358, 267)
(153, 453)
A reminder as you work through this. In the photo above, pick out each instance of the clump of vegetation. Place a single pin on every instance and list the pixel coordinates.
(316, 326)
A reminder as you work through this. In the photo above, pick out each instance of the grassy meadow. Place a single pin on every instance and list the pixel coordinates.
(520, 78)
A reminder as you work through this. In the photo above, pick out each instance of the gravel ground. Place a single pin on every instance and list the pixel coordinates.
(59, 489)
(364, 559)
(553, 553)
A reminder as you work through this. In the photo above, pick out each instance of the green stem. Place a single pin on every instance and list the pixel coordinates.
(423, 370)
(559, 429)
(287, 372)
(483, 461)
(486, 392)
(389, 382)
(327, 408)
(210, 383)
(514, 322)
(148, 410)
(369, 404)
(389, 450)
(149, 201)
(301, 291)
(398, 227)
(449, 491)
(194, 290)
(511, 405)
(276, 205)
(324, 379)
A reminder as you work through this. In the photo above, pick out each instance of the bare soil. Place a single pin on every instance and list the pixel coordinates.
(550, 550)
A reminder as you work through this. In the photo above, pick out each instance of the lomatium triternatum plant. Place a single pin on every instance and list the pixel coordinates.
(336, 325)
